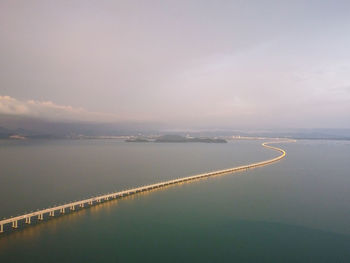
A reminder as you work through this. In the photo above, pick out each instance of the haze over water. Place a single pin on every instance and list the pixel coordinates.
(295, 210)
(76, 73)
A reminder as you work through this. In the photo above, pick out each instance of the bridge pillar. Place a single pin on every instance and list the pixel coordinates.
(52, 213)
(90, 203)
(82, 205)
(106, 198)
(72, 208)
(28, 220)
(62, 210)
(1, 228)
(15, 224)
(41, 217)
(99, 200)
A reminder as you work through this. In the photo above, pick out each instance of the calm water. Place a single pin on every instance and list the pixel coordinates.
(296, 210)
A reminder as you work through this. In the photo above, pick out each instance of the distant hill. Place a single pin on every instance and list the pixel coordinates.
(178, 138)
(137, 140)
(36, 128)
(5, 133)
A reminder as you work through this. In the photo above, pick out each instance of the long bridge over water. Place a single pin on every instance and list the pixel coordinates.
(71, 207)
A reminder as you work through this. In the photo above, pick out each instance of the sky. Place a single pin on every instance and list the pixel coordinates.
(187, 64)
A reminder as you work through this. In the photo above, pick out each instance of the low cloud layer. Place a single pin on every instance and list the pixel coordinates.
(50, 111)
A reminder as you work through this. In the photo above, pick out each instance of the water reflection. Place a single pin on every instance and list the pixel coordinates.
(51, 224)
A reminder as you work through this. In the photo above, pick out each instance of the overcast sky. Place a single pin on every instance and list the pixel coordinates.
(215, 64)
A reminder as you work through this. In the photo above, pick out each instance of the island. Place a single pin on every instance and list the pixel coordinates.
(175, 139)
(178, 138)
(137, 140)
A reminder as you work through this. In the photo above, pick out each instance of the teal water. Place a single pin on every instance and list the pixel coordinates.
(296, 210)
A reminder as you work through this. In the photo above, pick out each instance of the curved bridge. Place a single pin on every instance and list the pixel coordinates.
(52, 211)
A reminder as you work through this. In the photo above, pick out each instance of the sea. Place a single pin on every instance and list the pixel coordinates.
(294, 210)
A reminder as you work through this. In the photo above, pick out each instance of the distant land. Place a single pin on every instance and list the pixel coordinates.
(173, 138)
(178, 138)
(34, 128)
(137, 140)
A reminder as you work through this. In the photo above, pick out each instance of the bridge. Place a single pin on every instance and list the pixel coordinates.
(71, 207)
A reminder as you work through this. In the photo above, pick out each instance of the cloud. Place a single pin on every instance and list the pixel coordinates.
(50, 111)
(9, 105)
(169, 63)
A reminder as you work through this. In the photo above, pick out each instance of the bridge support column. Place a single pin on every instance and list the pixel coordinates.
(90, 203)
(82, 205)
(62, 210)
(41, 217)
(106, 198)
(15, 224)
(28, 220)
(1, 228)
(52, 213)
(99, 200)
(72, 208)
